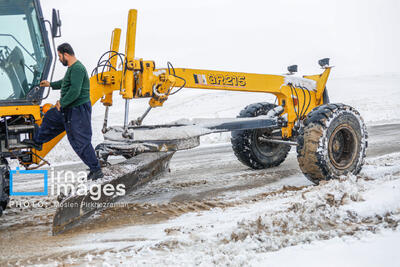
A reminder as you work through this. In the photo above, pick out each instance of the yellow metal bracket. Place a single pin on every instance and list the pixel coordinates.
(162, 91)
(129, 64)
(321, 80)
(109, 78)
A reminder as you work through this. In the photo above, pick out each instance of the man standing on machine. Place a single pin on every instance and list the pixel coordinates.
(72, 113)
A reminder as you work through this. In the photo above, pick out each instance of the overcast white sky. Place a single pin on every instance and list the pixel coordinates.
(360, 36)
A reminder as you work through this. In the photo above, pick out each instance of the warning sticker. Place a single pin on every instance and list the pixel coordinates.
(200, 78)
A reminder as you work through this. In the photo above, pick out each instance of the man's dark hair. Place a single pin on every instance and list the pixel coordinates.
(66, 48)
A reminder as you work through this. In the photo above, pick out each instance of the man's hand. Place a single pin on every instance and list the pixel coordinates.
(45, 84)
(58, 106)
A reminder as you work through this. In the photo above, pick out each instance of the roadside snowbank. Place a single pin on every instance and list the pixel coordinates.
(273, 225)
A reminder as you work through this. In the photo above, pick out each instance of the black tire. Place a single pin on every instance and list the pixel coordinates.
(4, 184)
(332, 142)
(247, 147)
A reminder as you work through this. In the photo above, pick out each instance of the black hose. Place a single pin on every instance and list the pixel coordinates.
(169, 65)
(291, 89)
(106, 63)
(304, 101)
(309, 102)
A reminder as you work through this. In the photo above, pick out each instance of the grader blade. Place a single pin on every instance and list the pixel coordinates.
(130, 174)
(183, 134)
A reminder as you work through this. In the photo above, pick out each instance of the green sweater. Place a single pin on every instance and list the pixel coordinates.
(75, 87)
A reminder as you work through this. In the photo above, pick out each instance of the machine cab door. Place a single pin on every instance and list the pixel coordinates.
(25, 55)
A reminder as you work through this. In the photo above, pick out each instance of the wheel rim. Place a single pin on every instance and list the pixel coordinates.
(265, 148)
(343, 146)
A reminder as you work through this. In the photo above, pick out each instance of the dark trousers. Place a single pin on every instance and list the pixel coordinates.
(76, 121)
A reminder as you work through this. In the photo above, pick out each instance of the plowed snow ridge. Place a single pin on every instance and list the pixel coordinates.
(239, 233)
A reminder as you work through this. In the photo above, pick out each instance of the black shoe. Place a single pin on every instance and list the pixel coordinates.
(33, 144)
(94, 175)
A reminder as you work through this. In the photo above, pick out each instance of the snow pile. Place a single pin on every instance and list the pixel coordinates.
(317, 214)
(350, 206)
(248, 234)
(308, 84)
(170, 133)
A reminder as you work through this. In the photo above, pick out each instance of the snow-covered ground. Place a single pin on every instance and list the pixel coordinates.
(352, 221)
(356, 214)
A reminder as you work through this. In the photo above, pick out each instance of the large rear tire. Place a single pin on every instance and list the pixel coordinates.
(332, 142)
(249, 149)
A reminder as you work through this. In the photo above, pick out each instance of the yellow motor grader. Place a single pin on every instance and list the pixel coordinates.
(331, 139)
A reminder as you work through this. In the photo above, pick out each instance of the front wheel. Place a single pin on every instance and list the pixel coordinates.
(249, 147)
(332, 143)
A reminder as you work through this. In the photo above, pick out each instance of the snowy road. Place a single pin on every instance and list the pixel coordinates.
(166, 221)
